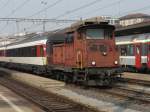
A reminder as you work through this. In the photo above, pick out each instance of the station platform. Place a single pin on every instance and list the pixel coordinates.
(11, 102)
(33, 80)
(137, 76)
(61, 89)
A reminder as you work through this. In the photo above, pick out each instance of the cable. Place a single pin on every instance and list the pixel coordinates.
(20, 6)
(140, 9)
(42, 10)
(17, 8)
(100, 8)
(79, 8)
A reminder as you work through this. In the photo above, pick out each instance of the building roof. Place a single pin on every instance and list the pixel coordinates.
(139, 28)
(136, 15)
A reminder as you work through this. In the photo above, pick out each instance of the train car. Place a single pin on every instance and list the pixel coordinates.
(88, 54)
(134, 46)
(28, 54)
(83, 53)
(134, 52)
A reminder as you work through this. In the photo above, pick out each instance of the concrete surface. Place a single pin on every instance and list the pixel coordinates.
(59, 88)
(138, 76)
(10, 102)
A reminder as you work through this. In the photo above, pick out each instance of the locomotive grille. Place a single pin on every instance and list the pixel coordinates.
(93, 48)
(103, 48)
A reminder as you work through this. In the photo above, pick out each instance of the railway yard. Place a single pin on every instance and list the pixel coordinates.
(74, 56)
(55, 96)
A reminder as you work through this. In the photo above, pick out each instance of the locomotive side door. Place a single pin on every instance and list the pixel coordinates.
(148, 55)
(138, 52)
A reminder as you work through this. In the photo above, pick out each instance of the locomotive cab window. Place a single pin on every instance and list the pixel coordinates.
(80, 36)
(108, 34)
(69, 38)
(99, 34)
(95, 33)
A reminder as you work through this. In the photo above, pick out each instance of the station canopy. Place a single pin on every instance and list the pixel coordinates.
(139, 28)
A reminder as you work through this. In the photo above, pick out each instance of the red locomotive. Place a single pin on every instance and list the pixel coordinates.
(85, 52)
(88, 54)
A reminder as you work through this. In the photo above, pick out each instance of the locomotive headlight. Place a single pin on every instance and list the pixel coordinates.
(104, 53)
(116, 62)
(93, 63)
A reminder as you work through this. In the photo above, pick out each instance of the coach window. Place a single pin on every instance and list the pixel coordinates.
(123, 50)
(20, 52)
(33, 51)
(0, 53)
(144, 50)
(130, 50)
(148, 48)
(23, 52)
(41, 51)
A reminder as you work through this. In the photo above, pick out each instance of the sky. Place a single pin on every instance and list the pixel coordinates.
(63, 9)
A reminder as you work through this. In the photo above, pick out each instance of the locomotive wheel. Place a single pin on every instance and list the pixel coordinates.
(68, 78)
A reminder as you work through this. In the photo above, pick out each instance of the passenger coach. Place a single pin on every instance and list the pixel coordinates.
(134, 46)
(28, 54)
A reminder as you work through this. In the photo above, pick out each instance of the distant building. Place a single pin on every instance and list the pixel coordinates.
(133, 19)
(111, 20)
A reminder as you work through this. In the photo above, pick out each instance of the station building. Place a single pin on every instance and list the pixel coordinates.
(132, 19)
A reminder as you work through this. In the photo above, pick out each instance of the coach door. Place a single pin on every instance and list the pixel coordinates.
(138, 56)
(148, 55)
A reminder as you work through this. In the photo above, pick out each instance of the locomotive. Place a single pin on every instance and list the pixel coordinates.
(83, 53)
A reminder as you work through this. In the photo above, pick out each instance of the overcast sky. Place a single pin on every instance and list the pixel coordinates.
(64, 9)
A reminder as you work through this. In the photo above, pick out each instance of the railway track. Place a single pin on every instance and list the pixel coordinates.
(130, 94)
(134, 81)
(47, 101)
(122, 92)
(117, 91)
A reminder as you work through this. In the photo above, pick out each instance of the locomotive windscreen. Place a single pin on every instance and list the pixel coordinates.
(99, 33)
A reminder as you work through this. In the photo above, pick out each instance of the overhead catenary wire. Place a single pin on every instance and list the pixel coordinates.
(94, 11)
(42, 10)
(29, 20)
(18, 8)
(78, 8)
(112, 4)
(74, 10)
(48, 7)
(135, 10)
(97, 9)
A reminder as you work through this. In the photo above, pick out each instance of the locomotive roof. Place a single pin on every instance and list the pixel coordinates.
(95, 21)
(59, 36)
